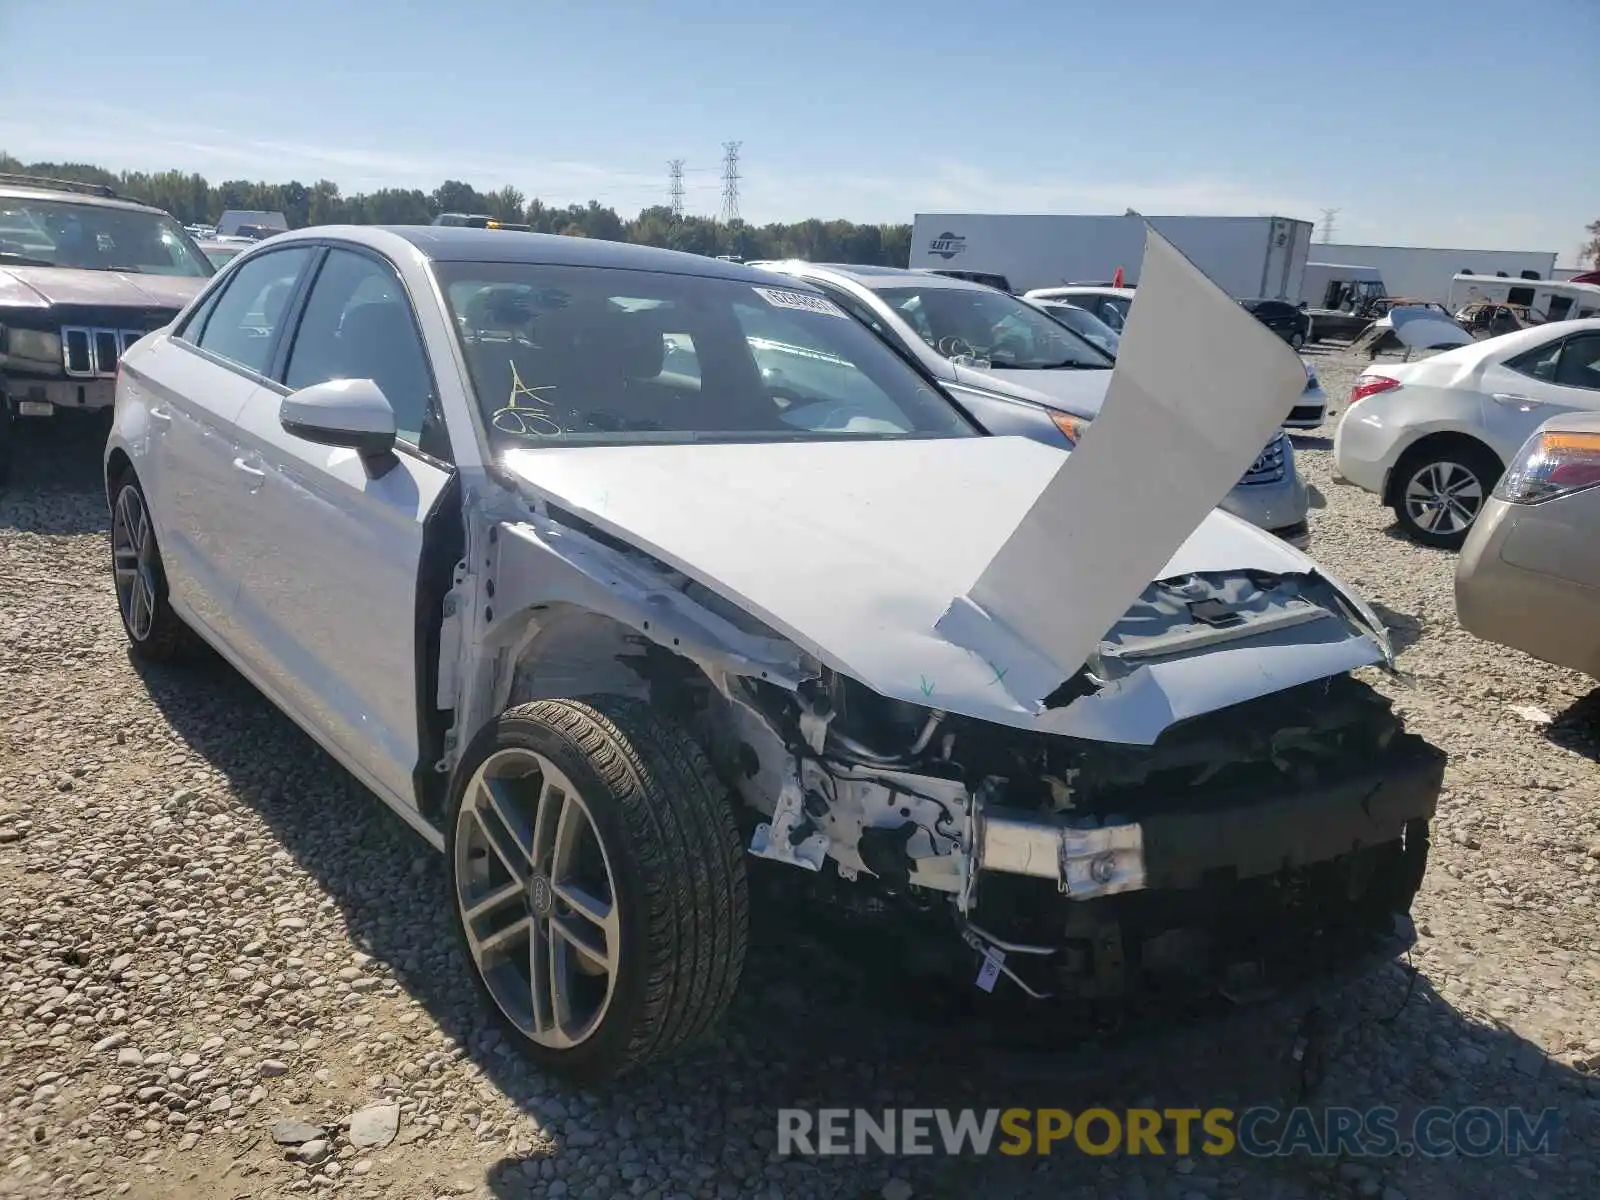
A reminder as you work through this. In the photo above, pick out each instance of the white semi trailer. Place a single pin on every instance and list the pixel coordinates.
(1247, 257)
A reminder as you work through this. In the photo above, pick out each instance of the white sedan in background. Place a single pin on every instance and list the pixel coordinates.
(1431, 438)
(1082, 322)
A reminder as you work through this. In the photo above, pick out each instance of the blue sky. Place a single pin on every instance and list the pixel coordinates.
(866, 109)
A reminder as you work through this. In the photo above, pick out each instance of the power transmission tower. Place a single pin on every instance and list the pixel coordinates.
(1328, 214)
(730, 181)
(675, 185)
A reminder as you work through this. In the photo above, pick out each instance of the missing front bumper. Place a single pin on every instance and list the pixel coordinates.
(1178, 847)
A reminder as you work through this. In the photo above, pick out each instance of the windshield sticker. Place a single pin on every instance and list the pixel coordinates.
(527, 420)
(800, 302)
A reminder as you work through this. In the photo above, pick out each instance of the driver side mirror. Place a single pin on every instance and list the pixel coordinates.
(350, 413)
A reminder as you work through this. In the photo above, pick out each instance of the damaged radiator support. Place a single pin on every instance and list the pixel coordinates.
(1084, 861)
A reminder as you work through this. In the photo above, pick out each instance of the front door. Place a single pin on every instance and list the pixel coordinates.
(330, 569)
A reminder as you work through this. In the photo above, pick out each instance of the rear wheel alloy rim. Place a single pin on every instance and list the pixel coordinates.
(1444, 497)
(535, 892)
(133, 560)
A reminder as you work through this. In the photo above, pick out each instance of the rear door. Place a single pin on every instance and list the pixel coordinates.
(1560, 376)
(329, 570)
(209, 369)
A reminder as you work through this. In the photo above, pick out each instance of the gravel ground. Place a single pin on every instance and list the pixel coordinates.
(212, 943)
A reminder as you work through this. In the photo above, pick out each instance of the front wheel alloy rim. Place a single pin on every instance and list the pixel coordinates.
(1444, 498)
(133, 559)
(535, 890)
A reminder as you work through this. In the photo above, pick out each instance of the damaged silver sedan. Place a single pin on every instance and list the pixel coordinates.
(522, 530)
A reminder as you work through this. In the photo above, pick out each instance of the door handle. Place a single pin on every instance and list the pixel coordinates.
(160, 415)
(1511, 400)
(257, 475)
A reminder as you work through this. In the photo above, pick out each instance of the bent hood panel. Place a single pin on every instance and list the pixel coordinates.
(1198, 389)
(59, 285)
(854, 551)
(978, 574)
(1423, 329)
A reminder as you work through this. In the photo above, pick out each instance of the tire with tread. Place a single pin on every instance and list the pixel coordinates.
(1474, 456)
(169, 637)
(678, 873)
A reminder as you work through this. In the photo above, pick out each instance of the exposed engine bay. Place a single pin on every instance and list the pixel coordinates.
(935, 709)
(1073, 863)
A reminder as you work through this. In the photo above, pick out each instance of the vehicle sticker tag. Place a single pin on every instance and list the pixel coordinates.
(989, 972)
(800, 302)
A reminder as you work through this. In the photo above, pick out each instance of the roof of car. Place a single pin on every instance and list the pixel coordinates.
(454, 243)
(1080, 289)
(1518, 340)
(875, 277)
(60, 195)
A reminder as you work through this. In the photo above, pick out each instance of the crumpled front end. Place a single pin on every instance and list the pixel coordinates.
(1210, 781)
(1077, 865)
(896, 653)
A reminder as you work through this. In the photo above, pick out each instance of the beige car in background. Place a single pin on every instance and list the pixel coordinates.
(1528, 576)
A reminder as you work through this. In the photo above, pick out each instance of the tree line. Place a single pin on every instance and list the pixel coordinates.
(195, 200)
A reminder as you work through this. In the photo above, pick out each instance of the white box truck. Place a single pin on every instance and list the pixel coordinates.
(1248, 257)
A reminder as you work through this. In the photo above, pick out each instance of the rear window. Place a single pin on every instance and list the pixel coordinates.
(563, 355)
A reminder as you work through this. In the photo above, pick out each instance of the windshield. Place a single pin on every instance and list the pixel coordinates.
(595, 356)
(1087, 324)
(991, 326)
(93, 237)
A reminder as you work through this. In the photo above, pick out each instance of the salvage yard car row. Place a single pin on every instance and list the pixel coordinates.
(647, 587)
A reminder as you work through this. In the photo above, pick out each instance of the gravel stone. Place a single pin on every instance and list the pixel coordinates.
(374, 1127)
(290, 1132)
(210, 889)
(311, 1152)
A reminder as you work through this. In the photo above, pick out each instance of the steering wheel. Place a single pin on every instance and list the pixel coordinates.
(952, 346)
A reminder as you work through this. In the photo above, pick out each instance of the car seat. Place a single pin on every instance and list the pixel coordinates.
(378, 341)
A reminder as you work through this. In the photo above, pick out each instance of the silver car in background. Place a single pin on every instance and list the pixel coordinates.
(1082, 322)
(1017, 371)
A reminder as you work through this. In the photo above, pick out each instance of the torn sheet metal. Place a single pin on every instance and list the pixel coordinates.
(1198, 388)
(851, 549)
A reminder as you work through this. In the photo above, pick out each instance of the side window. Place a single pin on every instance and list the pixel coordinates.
(1539, 362)
(1580, 362)
(242, 325)
(1109, 309)
(195, 325)
(358, 325)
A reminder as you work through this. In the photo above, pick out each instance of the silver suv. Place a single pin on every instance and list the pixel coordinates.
(1018, 372)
